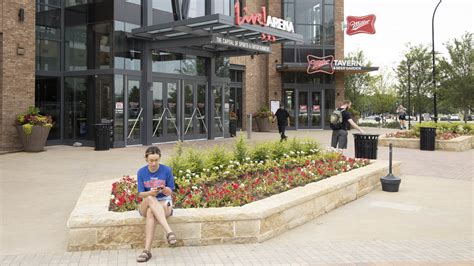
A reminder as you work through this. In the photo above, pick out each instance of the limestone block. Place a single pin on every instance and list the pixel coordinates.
(211, 241)
(121, 234)
(297, 211)
(240, 240)
(82, 236)
(247, 228)
(186, 230)
(210, 230)
(272, 222)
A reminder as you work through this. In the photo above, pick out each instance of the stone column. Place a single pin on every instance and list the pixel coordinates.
(17, 67)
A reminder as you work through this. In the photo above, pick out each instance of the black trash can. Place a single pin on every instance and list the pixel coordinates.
(427, 138)
(365, 145)
(102, 137)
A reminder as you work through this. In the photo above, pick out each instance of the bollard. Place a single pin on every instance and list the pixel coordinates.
(249, 128)
(390, 183)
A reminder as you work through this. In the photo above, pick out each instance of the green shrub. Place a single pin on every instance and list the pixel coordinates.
(261, 152)
(240, 149)
(216, 157)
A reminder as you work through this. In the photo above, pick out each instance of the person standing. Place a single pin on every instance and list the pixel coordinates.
(155, 184)
(283, 119)
(341, 122)
(401, 111)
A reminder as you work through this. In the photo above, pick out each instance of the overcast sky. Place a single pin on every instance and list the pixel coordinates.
(401, 21)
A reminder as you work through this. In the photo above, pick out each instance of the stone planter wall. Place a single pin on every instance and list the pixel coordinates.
(462, 143)
(92, 226)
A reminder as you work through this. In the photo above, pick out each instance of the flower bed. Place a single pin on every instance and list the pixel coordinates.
(93, 227)
(221, 178)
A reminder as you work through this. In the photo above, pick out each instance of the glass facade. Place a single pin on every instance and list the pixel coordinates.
(90, 69)
(307, 96)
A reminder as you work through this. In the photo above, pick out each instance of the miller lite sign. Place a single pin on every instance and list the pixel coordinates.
(356, 25)
(318, 64)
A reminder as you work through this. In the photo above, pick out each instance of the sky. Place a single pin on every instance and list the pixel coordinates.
(399, 22)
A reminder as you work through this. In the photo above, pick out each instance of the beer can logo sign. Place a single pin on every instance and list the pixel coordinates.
(364, 24)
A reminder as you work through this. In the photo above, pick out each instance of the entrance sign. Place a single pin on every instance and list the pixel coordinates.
(363, 24)
(263, 20)
(328, 65)
(240, 44)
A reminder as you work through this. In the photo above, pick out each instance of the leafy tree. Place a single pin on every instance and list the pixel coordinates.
(418, 59)
(457, 81)
(358, 85)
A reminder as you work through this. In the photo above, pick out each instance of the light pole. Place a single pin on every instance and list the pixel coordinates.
(434, 67)
(409, 92)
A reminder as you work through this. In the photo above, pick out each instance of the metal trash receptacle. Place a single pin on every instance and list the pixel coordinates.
(102, 136)
(365, 145)
(427, 138)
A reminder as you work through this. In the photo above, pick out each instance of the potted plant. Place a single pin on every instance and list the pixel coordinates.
(263, 118)
(232, 124)
(33, 129)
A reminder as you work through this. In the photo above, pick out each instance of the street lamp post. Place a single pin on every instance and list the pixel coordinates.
(434, 67)
(409, 92)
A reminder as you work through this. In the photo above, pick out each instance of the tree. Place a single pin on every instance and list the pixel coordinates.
(418, 59)
(384, 96)
(457, 81)
(357, 85)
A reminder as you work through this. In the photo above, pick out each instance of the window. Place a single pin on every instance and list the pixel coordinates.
(47, 55)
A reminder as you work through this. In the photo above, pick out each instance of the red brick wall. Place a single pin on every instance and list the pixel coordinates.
(17, 78)
(339, 77)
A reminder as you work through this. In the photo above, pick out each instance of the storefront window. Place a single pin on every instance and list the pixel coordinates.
(223, 67)
(75, 48)
(48, 100)
(309, 11)
(47, 55)
(75, 2)
(218, 115)
(127, 52)
(164, 62)
(104, 96)
(312, 34)
(197, 8)
(102, 34)
(329, 100)
(224, 7)
(119, 108)
(76, 124)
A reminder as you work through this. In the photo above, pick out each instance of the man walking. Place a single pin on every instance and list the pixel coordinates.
(340, 122)
(283, 119)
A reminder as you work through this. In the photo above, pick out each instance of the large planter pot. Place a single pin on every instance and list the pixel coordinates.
(263, 124)
(35, 141)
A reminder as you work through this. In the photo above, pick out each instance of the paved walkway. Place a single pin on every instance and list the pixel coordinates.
(429, 220)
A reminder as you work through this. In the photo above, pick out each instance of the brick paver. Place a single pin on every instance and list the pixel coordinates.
(50, 197)
(270, 253)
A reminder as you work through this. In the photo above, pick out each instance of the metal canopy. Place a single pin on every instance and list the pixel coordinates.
(212, 35)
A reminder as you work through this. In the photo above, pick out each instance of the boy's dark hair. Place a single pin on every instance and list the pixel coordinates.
(152, 150)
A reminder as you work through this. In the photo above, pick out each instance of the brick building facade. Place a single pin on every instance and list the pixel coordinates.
(17, 67)
(92, 63)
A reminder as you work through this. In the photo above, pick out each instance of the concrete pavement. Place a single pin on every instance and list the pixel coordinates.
(429, 220)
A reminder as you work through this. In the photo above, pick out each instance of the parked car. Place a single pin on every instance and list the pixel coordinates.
(454, 118)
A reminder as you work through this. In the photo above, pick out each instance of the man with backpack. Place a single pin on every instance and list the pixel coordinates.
(340, 122)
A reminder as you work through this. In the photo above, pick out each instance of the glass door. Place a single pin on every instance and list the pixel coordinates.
(194, 110)
(303, 102)
(315, 111)
(134, 113)
(165, 118)
(309, 109)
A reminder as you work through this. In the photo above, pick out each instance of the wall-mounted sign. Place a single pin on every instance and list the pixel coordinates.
(263, 20)
(328, 65)
(318, 64)
(241, 44)
(363, 24)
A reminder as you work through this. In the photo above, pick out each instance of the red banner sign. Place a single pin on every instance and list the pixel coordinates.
(363, 24)
(320, 64)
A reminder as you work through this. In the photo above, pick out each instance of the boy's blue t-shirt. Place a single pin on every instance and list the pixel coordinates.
(146, 179)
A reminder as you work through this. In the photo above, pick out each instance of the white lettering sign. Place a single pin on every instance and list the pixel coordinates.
(280, 24)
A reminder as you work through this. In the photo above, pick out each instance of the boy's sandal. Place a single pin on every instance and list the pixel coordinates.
(145, 256)
(171, 238)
